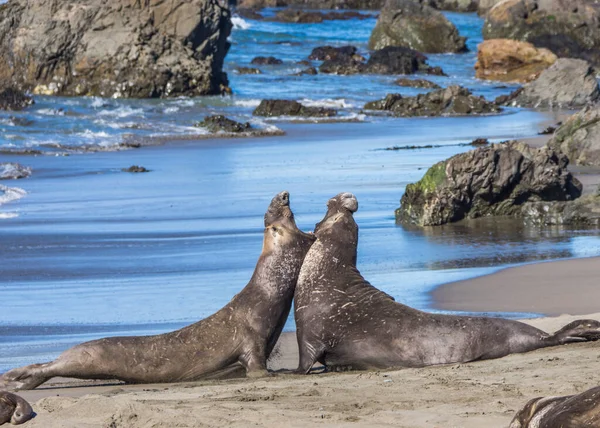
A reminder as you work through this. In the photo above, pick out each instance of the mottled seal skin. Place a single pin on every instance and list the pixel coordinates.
(238, 338)
(14, 409)
(571, 411)
(344, 322)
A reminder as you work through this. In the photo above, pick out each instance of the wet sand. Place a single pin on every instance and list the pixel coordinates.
(485, 393)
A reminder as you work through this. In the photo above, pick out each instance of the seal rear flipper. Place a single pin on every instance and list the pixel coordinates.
(577, 331)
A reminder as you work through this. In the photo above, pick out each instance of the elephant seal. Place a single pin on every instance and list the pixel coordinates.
(570, 411)
(344, 322)
(14, 409)
(237, 338)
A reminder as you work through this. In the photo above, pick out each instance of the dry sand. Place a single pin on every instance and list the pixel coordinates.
(480, 394)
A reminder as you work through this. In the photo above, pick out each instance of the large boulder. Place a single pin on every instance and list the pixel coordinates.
(414, 24)
(117, 48)
(569, 28)
(328, 53)
(451, 101)
(272, 108)
(492, 180)
(579, 137)
(14, 99)
(511, 60)
(568, 83)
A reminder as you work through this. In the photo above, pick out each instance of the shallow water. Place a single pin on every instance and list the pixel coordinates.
(91, 251)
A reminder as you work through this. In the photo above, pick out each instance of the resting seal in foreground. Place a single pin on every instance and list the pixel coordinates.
(571, 411)
(14, 409)
(239, 336)
(344, 322)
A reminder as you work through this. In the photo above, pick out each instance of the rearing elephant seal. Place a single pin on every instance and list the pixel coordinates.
(343, 321)
(239, 336)
(14, 409)
(571, 411)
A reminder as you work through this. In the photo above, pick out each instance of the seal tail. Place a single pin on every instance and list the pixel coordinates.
(577, 331)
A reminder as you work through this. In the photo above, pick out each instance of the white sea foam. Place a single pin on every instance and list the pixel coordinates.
(247, 103)
(124, 111)
(239, 23)
(8, 215)
(10, 194)
(171, 110)
(50, 112)
(91, 135)
(327, 102)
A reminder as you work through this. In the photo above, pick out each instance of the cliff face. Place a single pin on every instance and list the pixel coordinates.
(116, 48)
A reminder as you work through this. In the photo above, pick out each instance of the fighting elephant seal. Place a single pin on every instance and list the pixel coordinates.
(238, 337)
(344, 322)
(570, 411)
(14, 409)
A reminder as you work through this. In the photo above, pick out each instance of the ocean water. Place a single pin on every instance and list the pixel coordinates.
(88, 251)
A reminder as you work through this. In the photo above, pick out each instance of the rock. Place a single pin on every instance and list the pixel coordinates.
(117, 48)
(496, 179)
(220, 123)
(549, 130)
(414, 24)
(452, 101)
(314, 4)
(310, 71)
(569, 28)
(13, 171)
(568, 83)
(454, 5)
(479, 142)
(14, 99)
(396, 60)
(249, 14)
(342, 65)
(416, 83)
(248, 70)
(296, 16)
(266, 60)
(270, 108)
(327, 53)
(583, 211)
(511, 60)
(579, 137)
(484, 6)
(135, 169)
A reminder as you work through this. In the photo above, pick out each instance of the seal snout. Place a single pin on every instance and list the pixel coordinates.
(349, 201)
(283, 198)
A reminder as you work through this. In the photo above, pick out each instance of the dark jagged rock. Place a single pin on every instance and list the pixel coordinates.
(568, 83)
(455, 5)
(327, 53)
(583, 211)
(220, 123)
(266, 60)
(271, 108)
(569, 28)
(497, 179)
(305, 17)
(549, 130)
(479, 142)
(452, 101)
(416, 25)
(342, 65)
(417, 83)
(14, 99)
(310, 71)
(249, 14)
(248, 70)
(579, 137)
(13, 171)
(136, 169)
(117, 48)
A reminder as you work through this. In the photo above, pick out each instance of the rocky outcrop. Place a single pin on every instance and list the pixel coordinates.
(414, 24)
(310, 71)
(118, 48)
(266, 60)
(497, 179)
(568, 83)
(484, 6)
(569, 28)
(248, 70)
(136, 169)
(511, 60)
(14, 99)
(389, 60)
(272, 108)
(416, 83)
(313, 4)
(579, 137)
(295, 16)
(13, 171)
(220, 123)
(452, 101)
(454, 5)
(583, 211)
(328, 53)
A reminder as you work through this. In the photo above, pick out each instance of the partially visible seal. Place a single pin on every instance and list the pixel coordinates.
(238, 338)
(14, 409)
(571, 411)
(344, 322)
